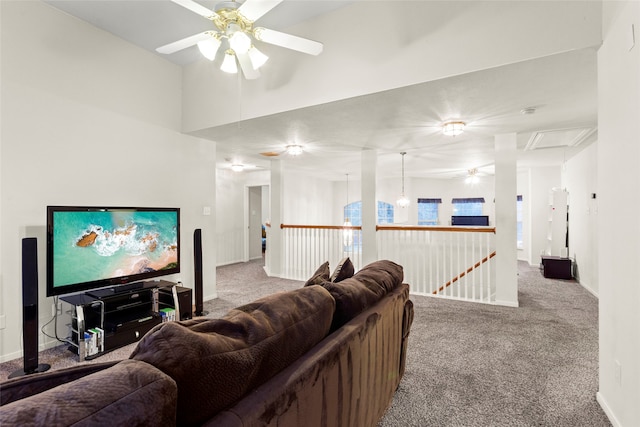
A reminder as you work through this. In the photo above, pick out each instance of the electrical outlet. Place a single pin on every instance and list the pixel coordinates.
(53, 310)
(617, 373)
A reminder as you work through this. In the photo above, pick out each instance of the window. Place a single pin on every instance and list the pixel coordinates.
(353, 211)
(519, 222)
(468, 207)
(428, 211)
(385, 213)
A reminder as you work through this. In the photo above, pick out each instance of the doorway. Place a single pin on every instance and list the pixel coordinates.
(256, 214)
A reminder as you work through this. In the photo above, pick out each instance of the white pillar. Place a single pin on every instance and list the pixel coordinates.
(369, 206)
(506, 246)
(275, 258)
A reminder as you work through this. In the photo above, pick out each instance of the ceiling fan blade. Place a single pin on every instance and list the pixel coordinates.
(289, 41)
(247, 68)
(184, 43)
(195, 7)
(254, 9)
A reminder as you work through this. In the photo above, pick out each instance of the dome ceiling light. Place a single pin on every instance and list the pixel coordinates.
(294, 149)
(453, 128)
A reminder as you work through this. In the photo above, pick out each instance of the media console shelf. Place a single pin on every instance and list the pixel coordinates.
(106, 319)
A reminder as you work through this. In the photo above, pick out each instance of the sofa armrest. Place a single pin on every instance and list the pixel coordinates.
(22, 387)
(130, 393)
(407, 320)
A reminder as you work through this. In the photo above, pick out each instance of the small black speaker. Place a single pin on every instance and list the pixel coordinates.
(184, 302)
(30, 309)
(197, 272)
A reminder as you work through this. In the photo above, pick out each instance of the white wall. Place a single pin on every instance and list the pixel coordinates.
(416, 35)
(579, 177)
(523, 190)
(540, 182)
(88, 119)
(307, 200)
(618, 155)
(230, 222)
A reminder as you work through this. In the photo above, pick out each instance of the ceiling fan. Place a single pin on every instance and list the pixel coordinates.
(234, 22)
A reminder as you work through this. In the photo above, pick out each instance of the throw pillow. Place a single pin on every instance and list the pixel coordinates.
(343, 270)
(321, 275)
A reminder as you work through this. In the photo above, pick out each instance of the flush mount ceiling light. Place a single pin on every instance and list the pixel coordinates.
(294, 149)
(234, 22)
(403, 201)
(236, 167)
(453, 128)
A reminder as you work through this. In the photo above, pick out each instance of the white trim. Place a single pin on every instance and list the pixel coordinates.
(607, 410)
(591, 291)
(514, 304)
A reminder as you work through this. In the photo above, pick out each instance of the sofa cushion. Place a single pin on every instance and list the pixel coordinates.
(215, 362)
(383, 274)
(130, 393)
(343, 270)
(321, 275)
(364, 289)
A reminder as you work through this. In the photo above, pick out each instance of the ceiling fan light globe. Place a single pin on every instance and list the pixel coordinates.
(229, 64)
(209, 48)
(257, 58)
(240, 42)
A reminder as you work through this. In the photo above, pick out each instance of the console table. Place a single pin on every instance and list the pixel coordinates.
(106, 319)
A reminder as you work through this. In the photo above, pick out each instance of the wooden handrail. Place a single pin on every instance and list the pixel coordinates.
(464, 273)
(435, 228)
(393, 228)
(323, 227)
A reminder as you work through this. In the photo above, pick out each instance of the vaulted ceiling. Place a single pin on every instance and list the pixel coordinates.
(560, 89)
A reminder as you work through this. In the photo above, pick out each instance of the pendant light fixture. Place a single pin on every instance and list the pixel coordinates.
(403, 201)
(347, 235)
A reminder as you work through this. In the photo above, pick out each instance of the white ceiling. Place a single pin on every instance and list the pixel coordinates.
(561, 88)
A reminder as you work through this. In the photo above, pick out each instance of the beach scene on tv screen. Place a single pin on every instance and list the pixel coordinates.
(98, 245)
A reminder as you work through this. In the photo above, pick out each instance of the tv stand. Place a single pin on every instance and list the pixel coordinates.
(106, 319)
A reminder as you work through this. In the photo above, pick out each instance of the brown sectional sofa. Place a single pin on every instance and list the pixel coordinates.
(328, 354)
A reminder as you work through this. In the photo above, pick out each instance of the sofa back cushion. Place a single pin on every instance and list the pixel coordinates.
(364, 289)
(215, 362)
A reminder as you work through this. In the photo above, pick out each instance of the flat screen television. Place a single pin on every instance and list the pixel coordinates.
(96, 247)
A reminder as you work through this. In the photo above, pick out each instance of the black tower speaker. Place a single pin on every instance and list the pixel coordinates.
(30, 309)
(197, 271)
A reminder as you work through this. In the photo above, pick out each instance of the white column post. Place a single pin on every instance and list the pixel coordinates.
(506, 246)
(368, 171)
(274, 267)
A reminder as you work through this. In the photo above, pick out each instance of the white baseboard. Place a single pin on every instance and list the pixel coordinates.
(607, 410)
(19, 354)
(515, 304)
(591, 291)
